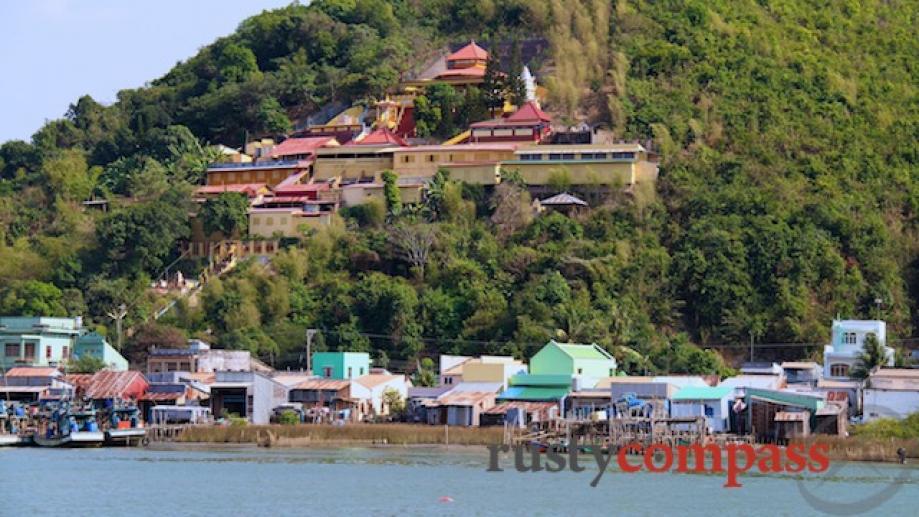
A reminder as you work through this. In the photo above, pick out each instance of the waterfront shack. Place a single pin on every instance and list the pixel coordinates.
(332, 399)
(713, 403)
(32, 384)
(775, 416)
(419, 399)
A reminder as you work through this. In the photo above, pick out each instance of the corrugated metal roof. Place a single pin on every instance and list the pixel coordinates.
(533, 393)
(702, 393)
(372, 380)
(529, 407)
(427, 392)
(466, 398)
(799, 365)
(30, 371)
(107, 384)
(563, 199)
(323, 384)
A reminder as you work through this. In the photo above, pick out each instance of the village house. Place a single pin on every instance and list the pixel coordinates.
(198, 357)
(712, 403)
(34, 384)
(330, 399)
(419, 399)
(848, 338)
(460, 407)
(106, 386)
(484, 369)
(378, 384)
(340, 365)
(891, 393)
(586, 364)
(247, 394)
(40, 341)
(802, 372)
(776, 416)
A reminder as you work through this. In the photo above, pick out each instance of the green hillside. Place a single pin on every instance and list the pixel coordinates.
(788, 192)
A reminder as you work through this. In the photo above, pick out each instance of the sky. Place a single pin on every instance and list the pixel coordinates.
(54, 51)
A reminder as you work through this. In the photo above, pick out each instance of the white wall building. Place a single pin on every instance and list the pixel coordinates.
(891, 393)
(841, 355)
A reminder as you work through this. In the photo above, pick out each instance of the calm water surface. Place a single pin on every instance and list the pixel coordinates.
(357, 482)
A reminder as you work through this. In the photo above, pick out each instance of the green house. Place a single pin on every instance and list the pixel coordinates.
(573, 360)
(341, 365)
(95, 345)
(36, 341)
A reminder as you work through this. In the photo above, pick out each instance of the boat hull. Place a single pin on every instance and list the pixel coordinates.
(78, 439)
(125, 437)
(9, 440)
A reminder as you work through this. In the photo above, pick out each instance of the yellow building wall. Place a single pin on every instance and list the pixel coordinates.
(609, 173)
(286, 224)
(486, 174)
(269, 176)
(425, 164)
(350, 168)
(483, 372)
(352, 196)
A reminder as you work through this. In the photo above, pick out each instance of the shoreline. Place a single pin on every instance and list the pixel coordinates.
(386, 436)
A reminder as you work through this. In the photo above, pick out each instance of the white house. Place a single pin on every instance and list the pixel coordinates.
(891, 393)
(841, 355)
(375, 385)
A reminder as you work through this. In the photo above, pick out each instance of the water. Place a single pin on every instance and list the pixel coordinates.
(357, 482)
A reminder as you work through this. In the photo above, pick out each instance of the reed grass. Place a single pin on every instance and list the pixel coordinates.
(865, 448)
(318, 434)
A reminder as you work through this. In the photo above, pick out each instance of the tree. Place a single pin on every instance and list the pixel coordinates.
(393, 403)
(511, 205)
(436, 111)
(872, 355)
(413, 244)
(425, 375)
(32, 298)
(391, 193)
(515, 88)
(272, 117)
(226, 214)
(236, 63)
(85, 364)
(493, 83)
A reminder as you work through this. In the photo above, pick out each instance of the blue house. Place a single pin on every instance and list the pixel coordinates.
(848, 338)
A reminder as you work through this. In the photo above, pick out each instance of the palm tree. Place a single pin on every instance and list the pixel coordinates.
(873, 355)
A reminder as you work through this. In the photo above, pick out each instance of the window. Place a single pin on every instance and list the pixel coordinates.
(611, 370)
(580, 371)
(839, 370)
(408, 159)
(11, 350)
(66, 352)
(623, 156)
(361, 370)
(530, 157)
(448, 380)
(555, 156)
(30, 351)
(256, 221)
(849, 338)
(327, 372)
(269, 221)
(567, 156)
(349, 372)
(48, 352)
(593, 156)
(282, 221)
(431, 158)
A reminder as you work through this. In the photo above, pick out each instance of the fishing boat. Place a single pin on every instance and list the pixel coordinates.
(71, 429)
(125, 427)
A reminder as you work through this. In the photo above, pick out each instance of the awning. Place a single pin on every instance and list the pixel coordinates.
(533, 393)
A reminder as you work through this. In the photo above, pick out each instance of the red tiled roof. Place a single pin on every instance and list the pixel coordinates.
(242, 188)
(382, 136)
(79, 380)
(481, 146)
(28, 371)
(300, 188)
(294, 146)
(529, 112)
(470, 51)
(159, 397)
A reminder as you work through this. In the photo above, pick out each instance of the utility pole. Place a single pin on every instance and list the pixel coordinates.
(877, 303)
(309, 345)
(118, 315)
(751, 346)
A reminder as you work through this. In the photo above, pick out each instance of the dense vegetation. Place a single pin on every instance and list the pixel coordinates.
(788, 138)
